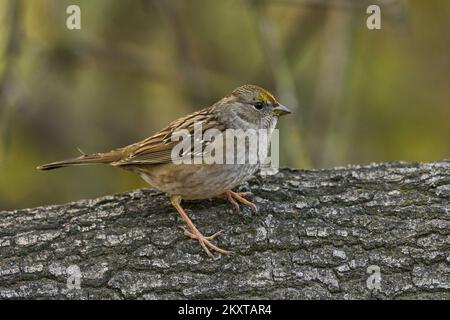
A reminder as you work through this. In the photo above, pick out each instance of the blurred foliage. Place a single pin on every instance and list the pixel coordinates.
(358, 95)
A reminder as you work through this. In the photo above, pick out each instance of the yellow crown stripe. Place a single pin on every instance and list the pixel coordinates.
(266, 96)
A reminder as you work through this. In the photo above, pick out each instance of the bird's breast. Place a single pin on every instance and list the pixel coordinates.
(201, 181)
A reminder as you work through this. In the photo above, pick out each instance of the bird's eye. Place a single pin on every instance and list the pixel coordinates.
(258, 105)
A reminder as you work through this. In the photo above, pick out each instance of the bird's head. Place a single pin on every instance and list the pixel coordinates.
(254, 105)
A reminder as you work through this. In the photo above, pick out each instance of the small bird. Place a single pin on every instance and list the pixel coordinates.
(247, 107)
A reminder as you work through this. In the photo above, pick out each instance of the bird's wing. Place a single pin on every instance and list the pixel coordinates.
(157, 149)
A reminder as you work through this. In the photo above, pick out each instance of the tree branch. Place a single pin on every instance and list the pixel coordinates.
(315, 235)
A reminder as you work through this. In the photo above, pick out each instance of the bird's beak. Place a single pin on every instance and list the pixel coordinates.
(281, 110)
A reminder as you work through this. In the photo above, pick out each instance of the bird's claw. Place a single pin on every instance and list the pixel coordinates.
(205, 241)
(235, 197)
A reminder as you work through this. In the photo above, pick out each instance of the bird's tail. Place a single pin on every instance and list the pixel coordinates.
(84, 159)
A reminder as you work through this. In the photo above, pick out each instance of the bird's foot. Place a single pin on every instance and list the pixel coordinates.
(205, 241)
(235, 197)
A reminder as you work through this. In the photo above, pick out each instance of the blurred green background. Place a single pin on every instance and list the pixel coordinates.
(358, 95)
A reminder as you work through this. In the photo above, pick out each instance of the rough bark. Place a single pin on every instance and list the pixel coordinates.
(315, 235)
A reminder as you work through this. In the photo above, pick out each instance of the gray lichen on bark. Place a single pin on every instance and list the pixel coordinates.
(315, 235)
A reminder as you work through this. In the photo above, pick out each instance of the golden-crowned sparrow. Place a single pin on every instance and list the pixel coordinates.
(248, 107)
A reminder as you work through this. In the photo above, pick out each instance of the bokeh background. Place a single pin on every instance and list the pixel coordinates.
(358, 95)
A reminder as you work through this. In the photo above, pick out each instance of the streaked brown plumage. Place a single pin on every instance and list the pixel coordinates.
(247, 107)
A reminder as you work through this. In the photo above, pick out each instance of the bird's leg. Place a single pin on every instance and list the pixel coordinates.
(195, 234)
(235, 197)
